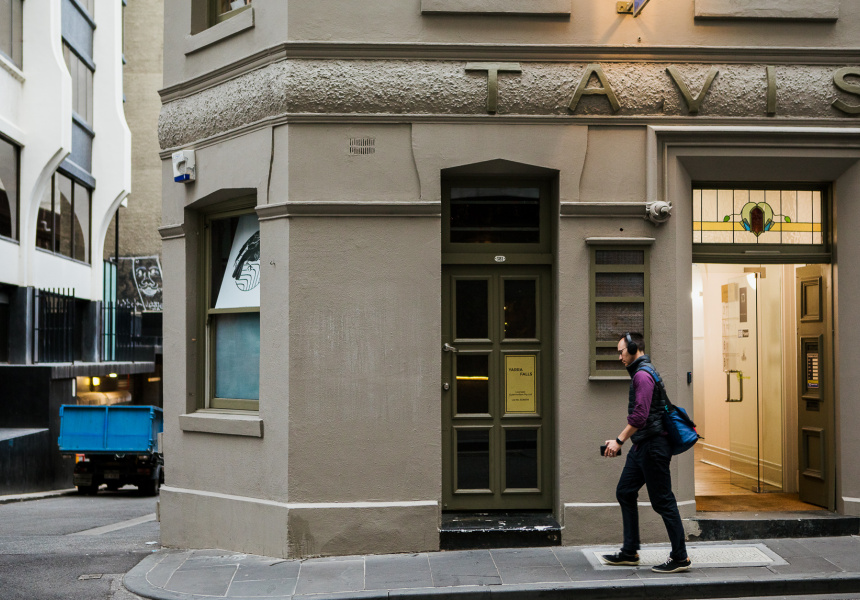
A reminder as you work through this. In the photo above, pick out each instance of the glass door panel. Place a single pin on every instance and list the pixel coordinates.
(522, 470)
(521, 309)
(472, 308)
(473, 459)
(472, 391)
(769, 292)
(740, 364)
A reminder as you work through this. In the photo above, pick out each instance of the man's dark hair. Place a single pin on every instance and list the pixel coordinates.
(637, 338)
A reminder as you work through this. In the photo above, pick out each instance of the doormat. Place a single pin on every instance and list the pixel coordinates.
(702, 555)
(772, 502)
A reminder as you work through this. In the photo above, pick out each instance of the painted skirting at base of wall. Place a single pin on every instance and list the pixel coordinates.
(296, 530)
(851, 506)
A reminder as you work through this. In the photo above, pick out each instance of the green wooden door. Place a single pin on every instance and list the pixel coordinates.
(817, 453)
(496, 387)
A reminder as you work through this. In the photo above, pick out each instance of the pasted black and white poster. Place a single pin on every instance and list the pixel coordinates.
(241, 284)
(146, 271)
(138, 283)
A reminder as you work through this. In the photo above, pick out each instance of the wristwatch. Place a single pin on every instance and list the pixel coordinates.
(619, 442)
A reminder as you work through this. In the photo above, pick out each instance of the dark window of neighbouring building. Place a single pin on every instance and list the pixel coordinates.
(4, 326)
(82, 85)
(63, 225)
(9, 200)
(11, 28)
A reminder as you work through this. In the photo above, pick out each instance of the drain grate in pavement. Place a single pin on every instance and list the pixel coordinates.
(710, 555)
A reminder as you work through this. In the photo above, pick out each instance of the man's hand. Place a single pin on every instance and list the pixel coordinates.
(612, 449)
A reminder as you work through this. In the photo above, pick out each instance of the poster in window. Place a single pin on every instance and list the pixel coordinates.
(240, 287)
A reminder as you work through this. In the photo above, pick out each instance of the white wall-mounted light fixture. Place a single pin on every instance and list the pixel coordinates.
(630, 7)
(184, 166)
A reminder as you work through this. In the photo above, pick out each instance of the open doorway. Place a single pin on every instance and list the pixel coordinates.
(745, 388)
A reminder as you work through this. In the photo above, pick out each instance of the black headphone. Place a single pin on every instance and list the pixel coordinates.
(632, 347)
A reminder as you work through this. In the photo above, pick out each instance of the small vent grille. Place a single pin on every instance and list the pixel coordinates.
(362, 145)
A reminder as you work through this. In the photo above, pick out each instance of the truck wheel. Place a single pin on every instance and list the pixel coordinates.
(89, 490)
(149, 488)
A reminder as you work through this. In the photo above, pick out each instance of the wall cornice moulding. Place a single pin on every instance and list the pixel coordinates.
(283, 210)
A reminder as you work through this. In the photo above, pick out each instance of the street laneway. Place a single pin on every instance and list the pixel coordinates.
(74, 547)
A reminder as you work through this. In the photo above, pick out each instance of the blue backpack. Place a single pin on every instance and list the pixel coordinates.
(676, 421)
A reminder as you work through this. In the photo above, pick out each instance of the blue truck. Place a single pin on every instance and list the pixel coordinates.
(119, 445)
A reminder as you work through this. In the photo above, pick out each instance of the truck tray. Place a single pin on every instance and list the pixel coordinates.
(109, 429)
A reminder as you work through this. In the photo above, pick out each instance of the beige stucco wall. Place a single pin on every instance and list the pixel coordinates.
(846, 284)
(142, 47)
(668, 23)
(365, 317)
(345, 453)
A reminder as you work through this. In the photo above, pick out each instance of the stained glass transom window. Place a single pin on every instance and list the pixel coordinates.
(757, 216)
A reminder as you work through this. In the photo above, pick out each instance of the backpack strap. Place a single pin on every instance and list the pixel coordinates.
(659, 381)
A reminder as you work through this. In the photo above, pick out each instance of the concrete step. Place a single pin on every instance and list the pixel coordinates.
(751, 526)
(484, 530)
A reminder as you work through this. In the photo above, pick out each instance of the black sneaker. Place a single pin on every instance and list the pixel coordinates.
(672, 566)
(621, 558)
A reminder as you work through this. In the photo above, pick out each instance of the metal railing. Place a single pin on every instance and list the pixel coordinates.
(122, 334)
(54, 326)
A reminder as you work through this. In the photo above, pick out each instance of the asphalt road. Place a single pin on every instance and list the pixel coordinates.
(74, 547)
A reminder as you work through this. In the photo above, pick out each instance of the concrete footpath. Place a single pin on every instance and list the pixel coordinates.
(791, 567)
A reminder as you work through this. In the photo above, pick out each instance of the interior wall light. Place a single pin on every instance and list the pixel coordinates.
(96, 381)
(630, 7)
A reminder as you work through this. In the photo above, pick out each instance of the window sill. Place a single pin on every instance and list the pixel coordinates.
(222, 423)
(807, 10)
(228, 28)
(496, 7)
(63, 256)
(11, 68)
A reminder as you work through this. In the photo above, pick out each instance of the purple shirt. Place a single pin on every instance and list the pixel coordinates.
(643, 383)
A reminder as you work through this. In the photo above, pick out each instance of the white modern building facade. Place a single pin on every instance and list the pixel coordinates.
(65, 168)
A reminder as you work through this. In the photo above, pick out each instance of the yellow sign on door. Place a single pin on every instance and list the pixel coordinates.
(520, 396)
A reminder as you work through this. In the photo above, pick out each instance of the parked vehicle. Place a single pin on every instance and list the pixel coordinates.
(119, 444)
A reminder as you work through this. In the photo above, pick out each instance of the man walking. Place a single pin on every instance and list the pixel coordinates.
(647, 462)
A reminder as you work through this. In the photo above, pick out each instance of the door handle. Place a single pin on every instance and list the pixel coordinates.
(446, 347)
(740, 376)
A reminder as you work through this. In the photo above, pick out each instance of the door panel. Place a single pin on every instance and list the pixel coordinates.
(740, 362)
(495, 390)
(815, 386)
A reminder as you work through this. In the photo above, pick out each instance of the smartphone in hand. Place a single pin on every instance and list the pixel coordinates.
(603, 451)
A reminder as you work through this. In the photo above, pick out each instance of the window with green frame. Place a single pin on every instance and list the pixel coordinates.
(619, 303)
(232, 313)
(221, 10)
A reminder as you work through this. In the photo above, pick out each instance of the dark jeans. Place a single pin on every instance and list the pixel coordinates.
(648, 465)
